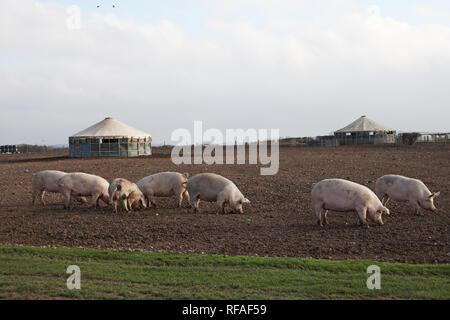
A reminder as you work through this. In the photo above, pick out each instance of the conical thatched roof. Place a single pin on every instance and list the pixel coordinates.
(364, 124)
(111, 128)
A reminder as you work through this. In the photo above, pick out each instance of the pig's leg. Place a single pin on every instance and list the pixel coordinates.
(66, 202)
(224, 204)
(196, 203)
(187, 198)
(66, 199)
(386, 201)
(318, 208)
(417, 207)
(34, 195)
(125, 203)
(192, 199)
(42, 197)
(178, 191)
(115, 206)
(180, 199)
(150, 199)
(362, 213)
(147, 201)
(95, 200)
(148, 194)
(324, 217)
(221, 202)
(105, 199)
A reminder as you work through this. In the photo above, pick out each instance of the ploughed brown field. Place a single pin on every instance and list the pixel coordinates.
(278, 222)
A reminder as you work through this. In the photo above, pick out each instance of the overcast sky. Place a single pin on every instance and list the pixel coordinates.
(305, 67)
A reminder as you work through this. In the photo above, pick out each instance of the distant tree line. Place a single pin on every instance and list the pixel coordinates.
(24, 148)
(300, 141)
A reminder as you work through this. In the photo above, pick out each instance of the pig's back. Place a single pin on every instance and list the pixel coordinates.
(340, 195)
(81, 180)
(48, 179)
(162, 183)
(401, 187)
(207, 184)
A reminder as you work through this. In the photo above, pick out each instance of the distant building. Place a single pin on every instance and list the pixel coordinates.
(365, 131)
(434, 137)
(9, 149)
(326, 141)
(109, 138)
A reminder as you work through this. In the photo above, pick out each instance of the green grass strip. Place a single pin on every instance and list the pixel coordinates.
(40, 273)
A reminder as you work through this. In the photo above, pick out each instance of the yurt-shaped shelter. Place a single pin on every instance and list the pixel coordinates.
(365, 131)
(110, 138)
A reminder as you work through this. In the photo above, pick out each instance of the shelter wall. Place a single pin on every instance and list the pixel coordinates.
(108, 147)
(365, 138)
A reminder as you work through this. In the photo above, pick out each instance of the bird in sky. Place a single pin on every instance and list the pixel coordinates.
(98, 6)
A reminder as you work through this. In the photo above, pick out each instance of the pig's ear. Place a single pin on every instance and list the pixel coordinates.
(245, 200)
(434, 195)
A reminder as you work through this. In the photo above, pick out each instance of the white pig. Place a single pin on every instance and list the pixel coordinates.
(400, 188)
(128, 193)
(47, 181)
(164, 184)
(345, 196)
(83, 184)
(213, 187)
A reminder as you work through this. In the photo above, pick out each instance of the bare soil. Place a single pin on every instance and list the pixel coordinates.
(279, 221)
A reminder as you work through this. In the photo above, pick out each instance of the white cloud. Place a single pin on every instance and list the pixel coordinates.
(304, 76)
(432, 15)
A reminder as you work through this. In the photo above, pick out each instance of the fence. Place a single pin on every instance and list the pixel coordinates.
(121, 147)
